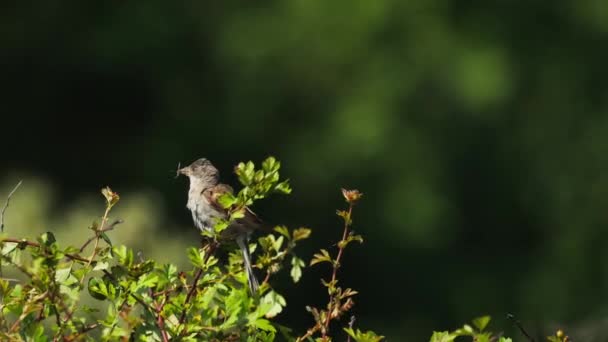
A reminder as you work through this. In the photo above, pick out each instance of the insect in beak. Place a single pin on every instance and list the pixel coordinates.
(178, 171)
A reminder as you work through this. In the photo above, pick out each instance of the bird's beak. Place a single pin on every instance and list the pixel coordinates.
(183, 171)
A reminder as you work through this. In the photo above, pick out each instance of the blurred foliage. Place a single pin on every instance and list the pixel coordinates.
(477, 128)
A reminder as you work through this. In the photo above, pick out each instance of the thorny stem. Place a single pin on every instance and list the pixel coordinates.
(324, 327)
(336, 266)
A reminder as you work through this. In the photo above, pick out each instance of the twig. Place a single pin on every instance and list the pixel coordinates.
(267, 278)
(17, 266)
(136, 297)
(197, 276)
(520, 327)
(37, 245)
(82, 332)
(160, 321)
(351, 323)
(98, 233)
(336, 266)
(105, 229)
(199, 272)
(8, 199)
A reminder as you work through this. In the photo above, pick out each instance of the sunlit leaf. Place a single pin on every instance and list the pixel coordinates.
(301, 233)
(296, 268)
(481, 322)
(321, 257)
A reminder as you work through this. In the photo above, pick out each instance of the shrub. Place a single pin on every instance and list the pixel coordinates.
(142, 300)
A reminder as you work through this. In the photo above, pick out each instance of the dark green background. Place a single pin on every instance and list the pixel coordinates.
(478, 131)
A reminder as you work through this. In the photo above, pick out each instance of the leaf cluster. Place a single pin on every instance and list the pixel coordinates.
(138, 299)
(478, 333)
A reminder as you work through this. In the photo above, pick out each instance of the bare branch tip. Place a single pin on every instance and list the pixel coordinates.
(8, 199)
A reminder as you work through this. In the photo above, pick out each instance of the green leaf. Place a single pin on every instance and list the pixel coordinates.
(62, 274)
(344, 215)
(359, 336)
(296, 269)
(270, 164)
(481, 322)
(220, 226)
(105, 238)
(97, 289)
(101, 265)
(283, 187)
(264, 324)
(8, 247)
(282, 230)
(147, 280)
(196, 257)
(349, 239)
(271, 305)
(321, 257)
(277, 243)
(47, 239)
(442, 336)
(226, 200)
(301, 234)
(124, 255)
(237, 215)
(258, 176)
(483, 337)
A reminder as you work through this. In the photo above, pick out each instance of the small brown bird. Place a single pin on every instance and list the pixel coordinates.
(205, 190)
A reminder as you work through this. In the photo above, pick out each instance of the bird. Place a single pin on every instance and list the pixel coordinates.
(205, 190)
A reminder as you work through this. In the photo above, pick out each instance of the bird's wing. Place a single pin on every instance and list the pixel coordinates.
(250, 220)
(213, 194)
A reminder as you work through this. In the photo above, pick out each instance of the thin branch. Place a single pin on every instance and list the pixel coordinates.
(520, 327)
(136, 297)
(105, 229)
(336, 266)
(82, 332)
(17, 266)
(160, 321)
(199, 272)
(351, 323)
(8, 199)
(267, 278)
(37, 245)
(98, 233)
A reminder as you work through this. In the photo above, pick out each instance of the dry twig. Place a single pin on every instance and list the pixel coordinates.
(8, 199)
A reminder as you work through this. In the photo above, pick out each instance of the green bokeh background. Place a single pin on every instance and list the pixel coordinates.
(478, 131)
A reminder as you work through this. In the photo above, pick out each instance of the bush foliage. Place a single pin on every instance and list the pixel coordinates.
(139, 299)
(135, 298)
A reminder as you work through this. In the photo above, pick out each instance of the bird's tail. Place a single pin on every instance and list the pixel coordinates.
(251, 279)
